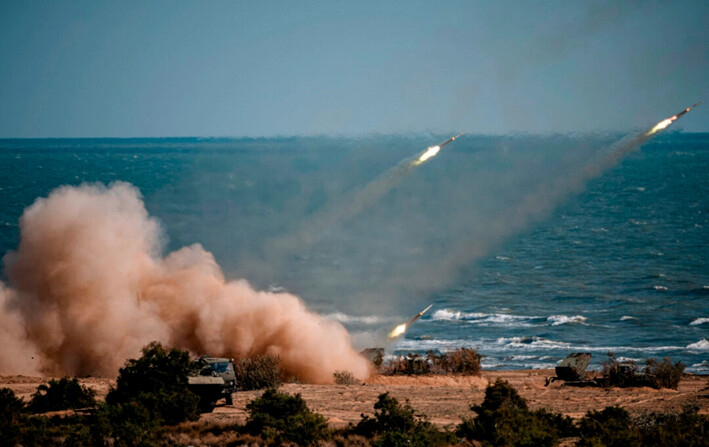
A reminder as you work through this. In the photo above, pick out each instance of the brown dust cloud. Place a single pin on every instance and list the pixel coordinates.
(88, 287)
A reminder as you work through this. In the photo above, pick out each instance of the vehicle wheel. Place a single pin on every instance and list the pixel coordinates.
(229, 399)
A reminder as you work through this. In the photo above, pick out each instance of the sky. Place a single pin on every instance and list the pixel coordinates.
(94, 68)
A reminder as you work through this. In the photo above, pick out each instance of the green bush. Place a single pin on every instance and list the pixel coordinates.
(611, 427)
(688, 428)
(157, 382)
(282, 417)
(665, 374)
(128, 423)
(259, 372)
(62, 395)
(395, 425)
(11, 408)
(503, 419)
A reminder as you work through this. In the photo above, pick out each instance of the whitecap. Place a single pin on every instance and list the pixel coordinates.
(661, 288)
(704, 365)
(532, 343)
(627, 317)
(701, 345)
(484, 319)
(453, 315)
(699, 321)
(557, 320)
(363, 319)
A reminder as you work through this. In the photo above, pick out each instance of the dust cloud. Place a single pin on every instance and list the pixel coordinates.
(88, 287)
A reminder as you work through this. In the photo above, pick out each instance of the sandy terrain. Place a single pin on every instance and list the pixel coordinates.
(444, 399)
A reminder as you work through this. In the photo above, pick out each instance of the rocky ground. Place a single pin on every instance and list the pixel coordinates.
(444, 399)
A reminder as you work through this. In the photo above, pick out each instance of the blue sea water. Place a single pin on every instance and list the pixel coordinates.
(514, 268)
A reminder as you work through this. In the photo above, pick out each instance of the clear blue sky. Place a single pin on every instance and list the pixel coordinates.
(264, 68)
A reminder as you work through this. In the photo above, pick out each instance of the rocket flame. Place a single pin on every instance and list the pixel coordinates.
(661, 125)
(430, 153)
(397, 331)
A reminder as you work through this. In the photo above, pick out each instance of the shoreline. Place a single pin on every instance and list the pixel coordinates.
(444, 399)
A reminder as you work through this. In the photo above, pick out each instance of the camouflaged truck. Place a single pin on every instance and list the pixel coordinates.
(215, 380)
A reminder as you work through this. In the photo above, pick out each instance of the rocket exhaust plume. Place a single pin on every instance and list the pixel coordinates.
(401, 329)
(89, 288)
(536, 204)
(433, 151)
(666, 122)
(356, 202)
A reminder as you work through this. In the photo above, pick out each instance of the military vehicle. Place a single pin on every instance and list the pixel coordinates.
(216, 379)
(572, 370)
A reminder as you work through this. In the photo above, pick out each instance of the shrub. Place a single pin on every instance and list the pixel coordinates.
(611, 427)
(395, 425)
(655, 374)
(280, 416)
(461, 361)
(411, 364)
(619, 374)
(374, 355)
(503, 419)
(666, 375)
(10, 413)
(258, 372)
(62, 395)
(688, 428)
(157, 383)
(129, 423)
(344, 378)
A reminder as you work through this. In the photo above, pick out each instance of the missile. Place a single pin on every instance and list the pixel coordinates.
(418, 315)
(432, 151)
(400, 329)
(687, 109)
(666, 122)
(453, 139)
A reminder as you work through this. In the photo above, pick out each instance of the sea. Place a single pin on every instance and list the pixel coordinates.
(525, 252)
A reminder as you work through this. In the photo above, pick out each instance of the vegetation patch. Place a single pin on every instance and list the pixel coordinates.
(281, 417)
(344, 378)
(655, 374)
(259, 372)
(61, 395)
(465, 361)
(503, 419)
(396, 425)
(155, 387)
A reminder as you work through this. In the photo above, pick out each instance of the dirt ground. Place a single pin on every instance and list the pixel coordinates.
(444, 399)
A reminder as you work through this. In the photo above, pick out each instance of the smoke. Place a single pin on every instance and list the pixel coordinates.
(89, 288)
(398, 239)
(344, 209)
(17, 354)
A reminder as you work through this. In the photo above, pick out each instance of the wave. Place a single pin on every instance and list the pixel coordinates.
(701, 345)
(371, 320)
(532, 343)
(557, 320)
(456, 315)
(627, 317)
(699, 321)
(484, 319)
